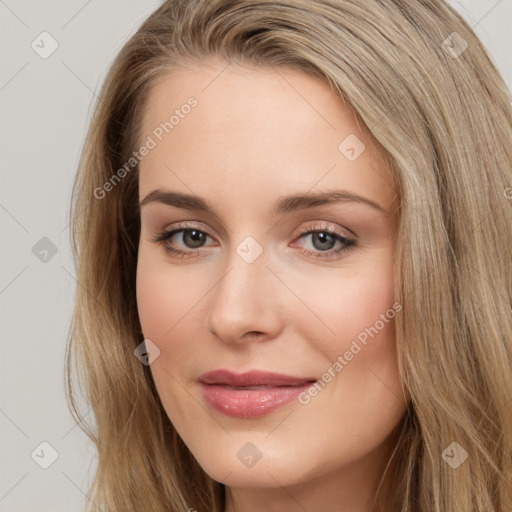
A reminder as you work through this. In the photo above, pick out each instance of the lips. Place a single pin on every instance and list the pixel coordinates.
(251, 394)
(252, 378)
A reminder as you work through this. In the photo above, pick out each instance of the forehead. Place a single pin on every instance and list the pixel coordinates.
(252, 131)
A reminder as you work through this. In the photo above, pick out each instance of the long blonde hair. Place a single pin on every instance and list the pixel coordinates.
(442, 115)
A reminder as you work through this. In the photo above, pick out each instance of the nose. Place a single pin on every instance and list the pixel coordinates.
(245, 304)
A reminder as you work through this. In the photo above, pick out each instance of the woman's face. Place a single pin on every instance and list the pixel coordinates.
(271, 274)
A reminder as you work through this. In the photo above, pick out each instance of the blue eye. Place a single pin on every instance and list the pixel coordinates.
(327, 239)
(323, 240)
(192, 236)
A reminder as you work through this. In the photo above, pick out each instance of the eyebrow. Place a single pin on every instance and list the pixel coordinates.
(284, 204)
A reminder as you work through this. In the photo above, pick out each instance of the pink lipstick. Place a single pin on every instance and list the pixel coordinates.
(251, 394)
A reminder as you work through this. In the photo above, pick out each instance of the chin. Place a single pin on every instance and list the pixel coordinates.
(263, 474)
(243, 463)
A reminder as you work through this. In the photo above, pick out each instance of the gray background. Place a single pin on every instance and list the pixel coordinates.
(45, 108)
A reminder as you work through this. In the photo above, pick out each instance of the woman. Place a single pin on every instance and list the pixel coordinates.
(291, 223)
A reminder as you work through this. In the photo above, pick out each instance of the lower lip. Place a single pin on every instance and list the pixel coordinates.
(250, 403)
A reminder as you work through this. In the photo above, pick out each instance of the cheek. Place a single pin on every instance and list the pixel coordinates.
(356, 307)
(358, 348)
(165, 300)
(164, 293)
(357, 401)
(154, 296)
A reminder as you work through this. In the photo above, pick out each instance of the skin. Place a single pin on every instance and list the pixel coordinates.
(254, 136)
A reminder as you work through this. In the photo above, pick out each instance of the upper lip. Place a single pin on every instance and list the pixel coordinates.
(252, 378)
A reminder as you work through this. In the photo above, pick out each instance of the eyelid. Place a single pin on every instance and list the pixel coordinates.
(326, 226)
(348, 241)
(317, 226)
(188, 225)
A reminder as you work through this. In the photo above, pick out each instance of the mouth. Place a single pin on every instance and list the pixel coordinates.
(251, 394)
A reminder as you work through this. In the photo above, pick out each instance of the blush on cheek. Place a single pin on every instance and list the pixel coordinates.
(160, 295)
(367, 332)
(168, 317)
(360, 309)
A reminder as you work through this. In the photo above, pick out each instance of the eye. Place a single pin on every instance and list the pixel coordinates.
(323, 240)
(192, 237)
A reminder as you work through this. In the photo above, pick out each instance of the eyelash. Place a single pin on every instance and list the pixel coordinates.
(163, 236)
